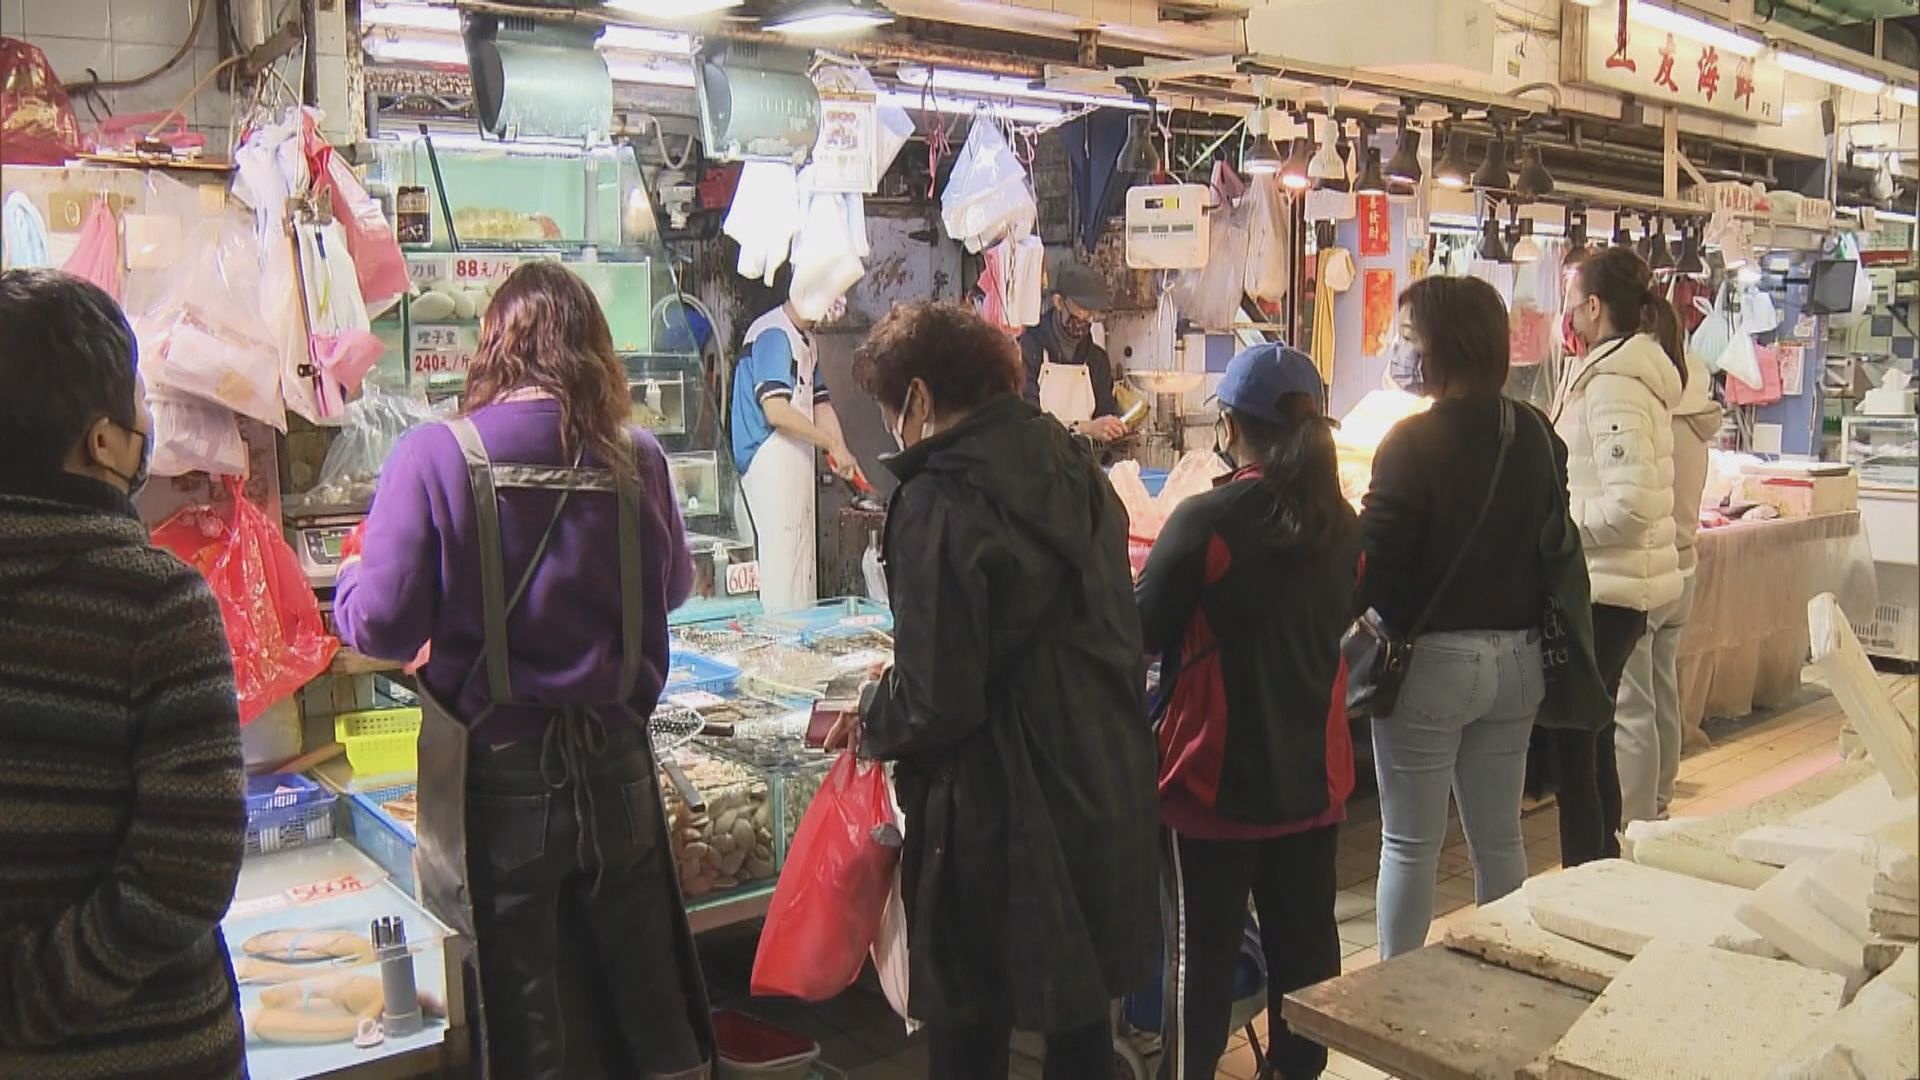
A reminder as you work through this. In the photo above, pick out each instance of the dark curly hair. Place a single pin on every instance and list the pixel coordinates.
(964, 359)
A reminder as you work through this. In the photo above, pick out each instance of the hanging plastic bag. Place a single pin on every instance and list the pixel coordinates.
(1266, 273)
(1767, 389)
(763, 217)
(988, 197)
(205, 337)
(23, 235)
(1740, 361)
(190, 435)
(271, 617)
(1758, 315)
(372, 428)
(832, 895)
(380, 268)
(37, 125)
(890, 948)
(1210, 296)
(97, 258)
(1715, 331)
(313, 380)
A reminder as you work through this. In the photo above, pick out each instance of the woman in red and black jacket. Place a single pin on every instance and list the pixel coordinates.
(1245, 597)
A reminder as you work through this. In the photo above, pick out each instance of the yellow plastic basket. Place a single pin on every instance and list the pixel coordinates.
(380, 742)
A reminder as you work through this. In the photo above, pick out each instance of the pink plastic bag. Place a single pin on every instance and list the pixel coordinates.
(381, 269)
(97, 258)
(827, 909)
(271, 617)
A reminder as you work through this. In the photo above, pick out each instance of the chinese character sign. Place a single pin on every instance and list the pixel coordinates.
(1664, 68)
(1376, 226)
(1378, 311)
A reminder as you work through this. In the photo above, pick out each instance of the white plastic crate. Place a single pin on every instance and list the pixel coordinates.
(1893, 632)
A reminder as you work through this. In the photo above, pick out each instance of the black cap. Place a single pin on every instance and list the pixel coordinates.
(1077, 282)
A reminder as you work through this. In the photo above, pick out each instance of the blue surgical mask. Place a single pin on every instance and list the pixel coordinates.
(1407, 368)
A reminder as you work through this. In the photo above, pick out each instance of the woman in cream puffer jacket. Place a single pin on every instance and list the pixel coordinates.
(1615, 414)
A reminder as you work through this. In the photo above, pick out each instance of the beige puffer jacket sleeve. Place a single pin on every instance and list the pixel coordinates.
(1617, 423)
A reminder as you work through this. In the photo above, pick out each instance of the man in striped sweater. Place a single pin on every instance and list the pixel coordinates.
(121, 810)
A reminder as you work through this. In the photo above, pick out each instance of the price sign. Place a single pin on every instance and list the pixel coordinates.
(442, 350)
(442, 363)
(326, 890)
(480, 269)
(863, 658)
(425, 270)
(864, 621)
(742, 578)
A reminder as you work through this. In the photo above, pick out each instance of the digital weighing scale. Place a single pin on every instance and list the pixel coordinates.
(316, 536)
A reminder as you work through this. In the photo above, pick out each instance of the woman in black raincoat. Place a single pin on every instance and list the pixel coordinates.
(1014, 711)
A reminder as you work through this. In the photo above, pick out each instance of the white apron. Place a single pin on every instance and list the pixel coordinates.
(1066, 392)
(779, 487)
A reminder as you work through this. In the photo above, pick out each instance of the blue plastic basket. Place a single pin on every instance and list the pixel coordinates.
(286, 811)
(690, 671)
(383, 839)
(833, 618)
(1153, 480)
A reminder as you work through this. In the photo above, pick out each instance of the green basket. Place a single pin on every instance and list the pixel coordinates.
(380, 742)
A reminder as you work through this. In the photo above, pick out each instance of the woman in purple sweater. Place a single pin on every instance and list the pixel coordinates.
(536, 544)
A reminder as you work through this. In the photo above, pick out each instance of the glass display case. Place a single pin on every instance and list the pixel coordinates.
(1884, 450)
(589, 209)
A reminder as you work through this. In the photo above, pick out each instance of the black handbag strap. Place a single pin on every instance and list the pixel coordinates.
(1486, 504)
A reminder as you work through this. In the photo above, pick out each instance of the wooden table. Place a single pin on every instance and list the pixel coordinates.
(1437, 1014)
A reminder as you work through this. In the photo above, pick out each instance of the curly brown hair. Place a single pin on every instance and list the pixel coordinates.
(964, 359)
(544, 330)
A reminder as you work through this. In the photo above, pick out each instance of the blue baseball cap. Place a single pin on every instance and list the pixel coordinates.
(1258, 378)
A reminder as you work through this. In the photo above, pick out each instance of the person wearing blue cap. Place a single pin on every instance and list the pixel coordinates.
(1245, 597)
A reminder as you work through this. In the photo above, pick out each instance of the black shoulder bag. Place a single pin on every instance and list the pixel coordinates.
(1377, 658)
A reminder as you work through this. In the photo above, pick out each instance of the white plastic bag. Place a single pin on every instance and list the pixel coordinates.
(1210, 296)
(1757, 312)
(988, 198)
(1710, 338)
(1266, 273)
(1740, 361)
(190, 435)
(334, 307)
(1144, 518)
(1192, 475)
(764, 217)
(889, 952)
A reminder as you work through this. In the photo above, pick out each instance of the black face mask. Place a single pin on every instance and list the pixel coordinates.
(140, 472)
(1073, 327)
(1220, 448)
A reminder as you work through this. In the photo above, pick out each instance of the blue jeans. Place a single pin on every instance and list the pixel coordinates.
(1461, 723)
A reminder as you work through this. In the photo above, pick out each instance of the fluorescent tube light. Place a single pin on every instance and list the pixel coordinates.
(958, 106)
(974, 82)
(1828, 73)
(1676, 22)
(672, 9)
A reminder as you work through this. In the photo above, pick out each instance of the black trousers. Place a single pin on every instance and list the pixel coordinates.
(1292, 882)
(1584, 767)
(980, 1053)
(578, 981)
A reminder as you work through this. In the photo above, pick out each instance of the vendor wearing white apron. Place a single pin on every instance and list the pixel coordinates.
(1067, 374)
(781, 414)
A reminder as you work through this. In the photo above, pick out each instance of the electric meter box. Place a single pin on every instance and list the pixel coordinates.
(1167, 226)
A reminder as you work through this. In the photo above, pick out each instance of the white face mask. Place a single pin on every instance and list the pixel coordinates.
(899, 436)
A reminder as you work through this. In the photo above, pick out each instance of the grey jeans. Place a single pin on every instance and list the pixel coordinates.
(1461, 724)
(1646, 736)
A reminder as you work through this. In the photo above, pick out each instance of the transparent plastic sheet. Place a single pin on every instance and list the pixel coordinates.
(190, 435)
(988, 197)
(271, 616)
(373, 425)
(204, 337)
(1746, 640)
(37, 124)
(832, 896)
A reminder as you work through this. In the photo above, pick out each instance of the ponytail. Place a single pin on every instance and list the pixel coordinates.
(1624, 283)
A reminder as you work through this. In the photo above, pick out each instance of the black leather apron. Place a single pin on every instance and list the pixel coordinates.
(446, 737)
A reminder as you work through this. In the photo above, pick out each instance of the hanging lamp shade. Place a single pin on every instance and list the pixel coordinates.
(1372, 181)
(1260, 158)
(1492, 174)
(1404, 168)
(1137, 154)
(821, 18)
(1526, 249)
(1622, 237)
(1534, 181)
(1453, 170)
(1293, 172)
(1690, 261)
(1577, 228)
(1659, 253)
(1492, 247)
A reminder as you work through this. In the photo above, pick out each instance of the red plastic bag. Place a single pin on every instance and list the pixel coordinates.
(272, 619)
(37, 125)
(827, 908)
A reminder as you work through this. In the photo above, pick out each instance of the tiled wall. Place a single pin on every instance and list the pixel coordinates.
(121, 39)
